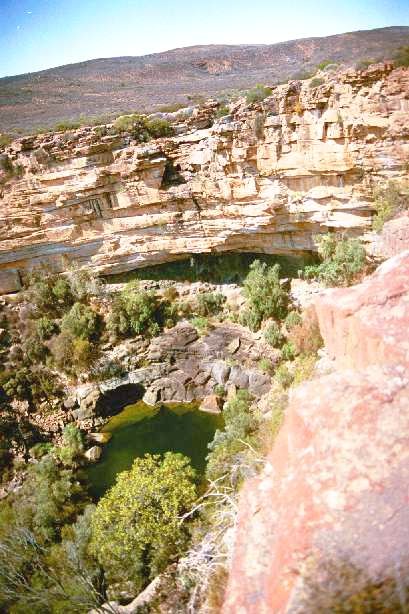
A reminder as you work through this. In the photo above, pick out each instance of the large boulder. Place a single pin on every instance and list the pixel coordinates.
(332, 487)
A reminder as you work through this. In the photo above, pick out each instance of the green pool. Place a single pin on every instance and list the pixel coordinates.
(139, 429)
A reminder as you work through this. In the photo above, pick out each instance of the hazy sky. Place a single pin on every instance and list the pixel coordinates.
(37, 34)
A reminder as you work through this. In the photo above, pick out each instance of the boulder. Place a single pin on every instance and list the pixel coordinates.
(211, 404)
(332, 489)
(93, 454)
(220, 372)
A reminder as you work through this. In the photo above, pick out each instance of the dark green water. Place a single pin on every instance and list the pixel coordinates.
(140, 429)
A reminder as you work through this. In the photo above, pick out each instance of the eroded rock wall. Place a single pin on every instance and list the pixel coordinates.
(266, 178)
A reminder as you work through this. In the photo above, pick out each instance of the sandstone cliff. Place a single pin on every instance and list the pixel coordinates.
(333, 495)
(265, 178)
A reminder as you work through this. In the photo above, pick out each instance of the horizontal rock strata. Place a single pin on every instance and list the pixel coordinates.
(265, 178)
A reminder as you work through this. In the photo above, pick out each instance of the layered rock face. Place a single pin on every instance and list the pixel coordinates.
(333, 494)
(265, 178)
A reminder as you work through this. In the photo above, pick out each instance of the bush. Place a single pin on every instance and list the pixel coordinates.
(306, 336)
(273, 335)
(66, 125)
(283, 376)
(50, 294)
(258, 93)
(316, 82)
(81, 322)
(135, 312)
(265, 365)
(228, 446)
(343, 260)
(45, 328)
(159, 128)
(201, 324)
(136, 528)
(5, 140)
(266, 298)
(401, 57)
(73, 445)
(292, 319)
(322, 65)
(222, 111)
(210, 303)
(288, 351)
(141, 128)
(389, 202)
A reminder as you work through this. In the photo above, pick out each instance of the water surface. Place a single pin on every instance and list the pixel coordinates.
(140, 429)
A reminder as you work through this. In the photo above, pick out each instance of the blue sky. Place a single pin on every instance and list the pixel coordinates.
(37, 34)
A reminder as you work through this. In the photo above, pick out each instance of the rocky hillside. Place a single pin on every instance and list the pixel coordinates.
(117, 85)
(265, 178)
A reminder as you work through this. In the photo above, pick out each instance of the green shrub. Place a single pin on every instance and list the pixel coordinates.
(210, 303)
(364, 63)
(273, 335)
(283, 376)
(201, 324)
(324, 64)
(136, 528)
(343, 260)
(288, 351)
(5, 140)
(159, 128)
(66, 125)
(219, 390)
(135, 312)
(222, 111)
(46, 328)
(258, 93)
(401, 58)
(40, 449)
(389, 202)
(229, 445)
(266, 298)
(73, 445)
(81, 322)
(316, 82)
(265, 365)
(141, 128)
(292, 319)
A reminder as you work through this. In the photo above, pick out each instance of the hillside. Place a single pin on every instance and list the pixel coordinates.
(115, 85)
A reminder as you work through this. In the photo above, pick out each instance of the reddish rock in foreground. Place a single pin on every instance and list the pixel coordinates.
(334, 483)
(368, 323)
(335, 487)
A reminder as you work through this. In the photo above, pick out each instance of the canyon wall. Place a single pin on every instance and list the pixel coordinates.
(329, 513)
(266, 178)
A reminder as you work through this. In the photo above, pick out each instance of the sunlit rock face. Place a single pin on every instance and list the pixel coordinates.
(333, 493)
(266, 178)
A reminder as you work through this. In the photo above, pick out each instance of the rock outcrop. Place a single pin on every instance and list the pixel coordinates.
(265, 178)
(334, 489)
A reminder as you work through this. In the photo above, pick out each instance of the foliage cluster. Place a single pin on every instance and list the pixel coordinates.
(141, 128)
(343, 260)
(266, 296)
(389, 202)
(136, 527)
(258, 93)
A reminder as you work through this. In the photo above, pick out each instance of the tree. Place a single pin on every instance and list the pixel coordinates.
(229, 445)
(343, 260)
(266, 297)
(135, 312)
(81, 322)
(136, 527)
